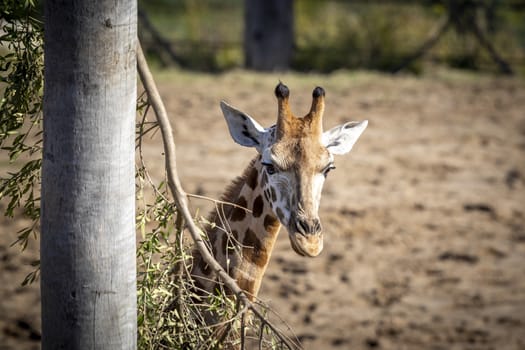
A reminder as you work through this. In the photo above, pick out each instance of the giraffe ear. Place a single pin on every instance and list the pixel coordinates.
(342, 138)
(243, 128)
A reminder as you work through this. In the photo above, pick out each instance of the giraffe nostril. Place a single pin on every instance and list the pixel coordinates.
(317, 226)
(305, 227)
(302, 226)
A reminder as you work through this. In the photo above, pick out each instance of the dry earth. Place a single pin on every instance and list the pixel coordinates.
(424, 220)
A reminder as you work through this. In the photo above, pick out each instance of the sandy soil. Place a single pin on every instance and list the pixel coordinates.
(424, 219)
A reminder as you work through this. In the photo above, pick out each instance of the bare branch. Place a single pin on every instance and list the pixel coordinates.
(216, 201)
(181, 199)
(173, 178)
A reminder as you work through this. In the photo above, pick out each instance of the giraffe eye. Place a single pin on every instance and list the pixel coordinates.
(327, 169)
(270, 169)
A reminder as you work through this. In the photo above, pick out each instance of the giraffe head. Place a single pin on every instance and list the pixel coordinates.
(296, 156)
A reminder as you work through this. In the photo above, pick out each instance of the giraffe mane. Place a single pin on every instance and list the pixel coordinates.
(230, 195)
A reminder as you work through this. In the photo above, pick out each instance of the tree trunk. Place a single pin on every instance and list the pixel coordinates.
(268, 34)
(88, 265)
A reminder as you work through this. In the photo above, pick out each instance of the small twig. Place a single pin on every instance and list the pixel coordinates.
(243, 326)
(141, 158)
(261, 336)
(217, 201)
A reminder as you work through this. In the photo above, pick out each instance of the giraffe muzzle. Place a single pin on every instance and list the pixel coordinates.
(307, 237)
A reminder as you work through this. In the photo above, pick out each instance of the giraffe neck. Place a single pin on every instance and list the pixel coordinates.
(242, 236)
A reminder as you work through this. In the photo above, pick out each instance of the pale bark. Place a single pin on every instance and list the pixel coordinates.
(88, 264)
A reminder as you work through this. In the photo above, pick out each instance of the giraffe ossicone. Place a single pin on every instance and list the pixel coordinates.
(281, 186)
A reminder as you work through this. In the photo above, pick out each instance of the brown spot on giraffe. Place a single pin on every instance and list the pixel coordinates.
(271, 223)
(247, 285)
(239, 212)
(258, 206)
(251, 180)
(254, 249)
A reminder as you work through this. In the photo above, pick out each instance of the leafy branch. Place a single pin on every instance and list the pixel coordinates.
(22, 78)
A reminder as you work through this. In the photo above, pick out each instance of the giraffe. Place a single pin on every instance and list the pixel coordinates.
(280, 187)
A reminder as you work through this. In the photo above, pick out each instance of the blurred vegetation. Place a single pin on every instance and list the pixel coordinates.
(343, 34)
(205, 35)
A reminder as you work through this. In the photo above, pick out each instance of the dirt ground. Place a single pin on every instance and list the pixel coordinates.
(424, 220)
